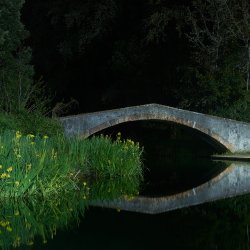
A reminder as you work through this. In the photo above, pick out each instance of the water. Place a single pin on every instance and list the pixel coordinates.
(115, 214)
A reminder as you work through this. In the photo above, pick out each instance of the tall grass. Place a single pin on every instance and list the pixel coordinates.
(32, 165)
(26, 123)
(103, 157)
(44, 166)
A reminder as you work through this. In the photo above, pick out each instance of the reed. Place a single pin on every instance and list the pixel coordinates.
(46, 166)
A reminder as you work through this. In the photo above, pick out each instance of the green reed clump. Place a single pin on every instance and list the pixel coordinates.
(44, 166)
(103, 157)
(32, 165)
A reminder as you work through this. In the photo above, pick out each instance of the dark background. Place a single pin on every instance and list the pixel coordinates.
(105, 61)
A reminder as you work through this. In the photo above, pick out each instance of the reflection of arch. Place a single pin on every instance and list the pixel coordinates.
(233, 181)
(231, 135)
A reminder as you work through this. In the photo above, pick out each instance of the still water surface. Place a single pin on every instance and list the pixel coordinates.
(70, 223)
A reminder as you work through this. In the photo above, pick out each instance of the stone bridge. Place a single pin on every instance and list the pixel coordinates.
(228, 134)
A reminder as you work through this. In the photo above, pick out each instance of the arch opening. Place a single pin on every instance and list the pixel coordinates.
(175, 158)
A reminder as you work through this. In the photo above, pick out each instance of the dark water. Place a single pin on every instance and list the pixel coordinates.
(175, 160)
(203, 228)
(221, 225)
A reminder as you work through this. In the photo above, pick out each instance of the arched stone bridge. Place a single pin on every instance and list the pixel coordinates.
(229, 134)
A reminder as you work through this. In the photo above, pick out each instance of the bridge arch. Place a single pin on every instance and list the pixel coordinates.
(231, 135)
(208, 135)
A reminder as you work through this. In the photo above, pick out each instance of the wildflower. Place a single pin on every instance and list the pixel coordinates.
(30, 136)
(3, 175)
(84, 183)
(30, 243)
(3, 223)
(118, 136)
(18, 156)
(9, 229)
(18, 135)
(9, 169)
(45, 137)
(17, 183)
(1, 166)
(32, 143)
(28, 166)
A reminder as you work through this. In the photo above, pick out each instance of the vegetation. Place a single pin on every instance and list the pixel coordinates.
(43, 166)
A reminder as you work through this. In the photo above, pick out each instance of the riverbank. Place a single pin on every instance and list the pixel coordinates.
(42, 165)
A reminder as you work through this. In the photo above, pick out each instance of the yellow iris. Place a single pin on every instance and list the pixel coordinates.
(30, 136)
(9, 169)
(18, 135)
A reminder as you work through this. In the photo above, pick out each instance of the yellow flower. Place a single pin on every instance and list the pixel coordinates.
(3, 175)
(18, 135)
(9, 229)
(28, 166)
(30, 136)
(45, 137)
(30, 243)
(84, 183)
(17, 183)
(9, 169)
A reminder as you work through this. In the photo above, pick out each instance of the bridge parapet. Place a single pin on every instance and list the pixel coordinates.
(230, 134)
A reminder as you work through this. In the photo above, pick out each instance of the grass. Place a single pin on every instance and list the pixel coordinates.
(33, 123)
(45, 166)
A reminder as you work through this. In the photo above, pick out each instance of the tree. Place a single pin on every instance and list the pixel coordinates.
(218, 30)
(16, 73)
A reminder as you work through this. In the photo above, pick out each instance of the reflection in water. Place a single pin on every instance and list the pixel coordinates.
(21, 221)
(176, 178)
(217, 225)
(233, 181)
(24, 221)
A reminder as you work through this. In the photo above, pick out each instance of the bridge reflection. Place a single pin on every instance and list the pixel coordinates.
(233, 181)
